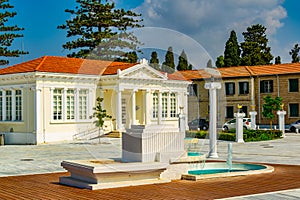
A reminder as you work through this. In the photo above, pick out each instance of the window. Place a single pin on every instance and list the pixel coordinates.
(8, 99)
(293, 85)
(229, 88)
(192, 90)
(266, 86)
(1, 112)
(294, 110)
(172, 105)
(70, 104)
(229, 111)
(164, 105)
(57, 104)
(243, 87)
(18, 105)
(155, 105)
(83, 104)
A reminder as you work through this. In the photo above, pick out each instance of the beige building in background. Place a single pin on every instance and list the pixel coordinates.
(247, 86)
(52, 98)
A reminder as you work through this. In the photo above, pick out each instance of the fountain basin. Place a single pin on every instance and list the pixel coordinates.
(220, 169)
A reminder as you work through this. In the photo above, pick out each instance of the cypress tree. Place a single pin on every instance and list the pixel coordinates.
(182, 62)
(169, 65)
(232, 51)
(295, 53)
(278, 60)
(100, 30)
(8, 33)
(154, 61)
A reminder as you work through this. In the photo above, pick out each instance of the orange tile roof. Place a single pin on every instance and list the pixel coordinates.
(57, 64)
(241, 71)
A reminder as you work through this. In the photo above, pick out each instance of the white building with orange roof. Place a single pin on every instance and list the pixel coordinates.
(52, 98)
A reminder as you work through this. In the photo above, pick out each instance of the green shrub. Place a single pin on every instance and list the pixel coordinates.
(249, 135)
(226, 136)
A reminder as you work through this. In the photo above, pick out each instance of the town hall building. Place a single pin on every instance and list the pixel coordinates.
(52, 98)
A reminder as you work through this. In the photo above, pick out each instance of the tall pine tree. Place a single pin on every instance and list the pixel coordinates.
(169, 65)
(255, 50)
(182, 62)
(100, 30)
(232, 51)
(8, 33)
(154, 61)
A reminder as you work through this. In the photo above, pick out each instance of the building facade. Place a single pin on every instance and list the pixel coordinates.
(52, 98)
(246, 86)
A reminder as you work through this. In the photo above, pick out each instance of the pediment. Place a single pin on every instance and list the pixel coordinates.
(143, 72)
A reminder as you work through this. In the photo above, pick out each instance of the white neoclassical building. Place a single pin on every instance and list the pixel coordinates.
(52, 98)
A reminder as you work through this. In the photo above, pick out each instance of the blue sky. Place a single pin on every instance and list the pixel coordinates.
(207, 23)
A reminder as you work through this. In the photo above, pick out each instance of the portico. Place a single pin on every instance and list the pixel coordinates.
(142, 95)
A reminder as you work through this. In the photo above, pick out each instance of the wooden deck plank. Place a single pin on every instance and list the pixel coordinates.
(46, 186)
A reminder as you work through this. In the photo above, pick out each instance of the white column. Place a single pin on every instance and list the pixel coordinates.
(147, 107)
(76, 93)
(239, 127)
(64, 105)
(253, 119)
(4, 105)
(133, 106)
(119, 109)
(13, 104)
(212, 87)
(38, 116)
(281, 114)
(159, 107)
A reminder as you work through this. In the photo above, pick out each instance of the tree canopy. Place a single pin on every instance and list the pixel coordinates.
(100, 31)
(220, 61)
(255, 50)
(8, 33)
(271, 105)
(232, 51)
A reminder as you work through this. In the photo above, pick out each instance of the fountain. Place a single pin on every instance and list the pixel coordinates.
(229, 157)
(155, 154)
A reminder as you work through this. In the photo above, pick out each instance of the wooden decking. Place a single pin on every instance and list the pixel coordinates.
(46, 186)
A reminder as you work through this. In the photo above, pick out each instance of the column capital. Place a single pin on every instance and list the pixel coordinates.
(212, 85)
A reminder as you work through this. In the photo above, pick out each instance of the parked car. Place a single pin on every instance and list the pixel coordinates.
(295, 125)
(198, 124)
(231, 124)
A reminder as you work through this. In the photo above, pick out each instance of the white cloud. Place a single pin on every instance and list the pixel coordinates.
(210, 22)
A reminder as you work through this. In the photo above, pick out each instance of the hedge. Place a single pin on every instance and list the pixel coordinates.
(249, 135)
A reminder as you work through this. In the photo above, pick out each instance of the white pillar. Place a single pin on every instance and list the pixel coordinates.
(281, 114)
(253, 119)
(159, 108)
(3, 105)
(38, 116)
(119, 110)
(239, 127)
(133, 106)
(13, 105)
(147, 107)
(212, 87)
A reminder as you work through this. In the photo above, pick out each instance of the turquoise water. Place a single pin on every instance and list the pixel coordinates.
(194, 154)
(215, 168)
(213, 171)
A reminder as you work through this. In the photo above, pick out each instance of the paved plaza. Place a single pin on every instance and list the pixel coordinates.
(46, 158)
